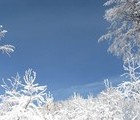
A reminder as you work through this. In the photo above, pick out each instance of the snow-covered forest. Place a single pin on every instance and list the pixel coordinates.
(24, 99)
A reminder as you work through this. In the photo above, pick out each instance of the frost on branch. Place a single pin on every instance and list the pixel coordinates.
(5, 48)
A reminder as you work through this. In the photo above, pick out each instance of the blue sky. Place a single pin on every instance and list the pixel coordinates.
(59, 40)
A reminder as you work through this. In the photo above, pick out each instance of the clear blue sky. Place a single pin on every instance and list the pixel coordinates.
(59, 40)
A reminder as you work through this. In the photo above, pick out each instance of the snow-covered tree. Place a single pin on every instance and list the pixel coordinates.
(5, 48)
(23, 101)
(124, 30)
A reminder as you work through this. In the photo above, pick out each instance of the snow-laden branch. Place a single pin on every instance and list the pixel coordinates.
(8, 49)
